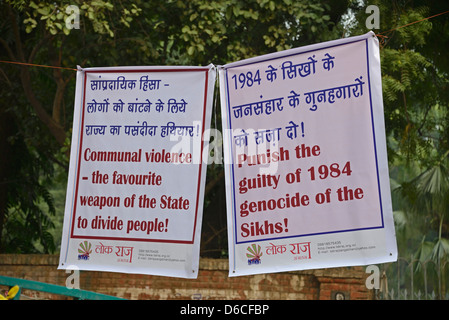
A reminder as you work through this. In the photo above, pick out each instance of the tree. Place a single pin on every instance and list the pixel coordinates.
(415, 76)
(23, 171)
(35, 126)
(195, 32)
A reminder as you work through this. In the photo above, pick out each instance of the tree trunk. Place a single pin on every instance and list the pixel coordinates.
(55, 127)
(7, 129)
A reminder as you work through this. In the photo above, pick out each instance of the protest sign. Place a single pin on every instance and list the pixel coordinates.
(136, 182)
(305, 159)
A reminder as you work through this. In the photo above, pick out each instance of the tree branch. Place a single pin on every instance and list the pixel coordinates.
(8, 49)
(37, 47)
(210, 185)
(55, 128)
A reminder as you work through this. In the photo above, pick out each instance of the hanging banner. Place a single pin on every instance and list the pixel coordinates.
(305, 159)
(136, 182)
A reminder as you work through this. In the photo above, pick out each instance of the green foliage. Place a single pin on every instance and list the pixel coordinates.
(242, 29)
(174, 32)
(56, 14)
(402, 70)
(415, 90)
(29, 206)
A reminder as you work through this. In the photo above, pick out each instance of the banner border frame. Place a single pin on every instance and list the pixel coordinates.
(206, 70)
(231, 164)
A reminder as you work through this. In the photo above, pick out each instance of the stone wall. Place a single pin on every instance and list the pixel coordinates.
(212, 283)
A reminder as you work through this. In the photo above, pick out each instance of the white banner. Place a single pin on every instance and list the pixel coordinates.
(136, 182)
(305, 159)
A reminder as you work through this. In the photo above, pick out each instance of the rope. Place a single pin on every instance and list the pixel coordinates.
(380, 35)
(37, 65)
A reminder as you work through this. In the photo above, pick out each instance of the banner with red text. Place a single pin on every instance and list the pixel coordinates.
(136, 182)
(305, 159)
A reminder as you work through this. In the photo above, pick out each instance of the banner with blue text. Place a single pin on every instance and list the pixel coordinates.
(136, 182)
(306, 170)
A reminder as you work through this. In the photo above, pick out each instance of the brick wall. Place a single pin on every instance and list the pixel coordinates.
(212, 283)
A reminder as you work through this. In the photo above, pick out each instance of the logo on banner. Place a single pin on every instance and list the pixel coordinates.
(124, 253)
(254, 253)
(301, 250)
(84, 250)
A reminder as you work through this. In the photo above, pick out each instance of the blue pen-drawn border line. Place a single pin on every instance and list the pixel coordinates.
(234, 210)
